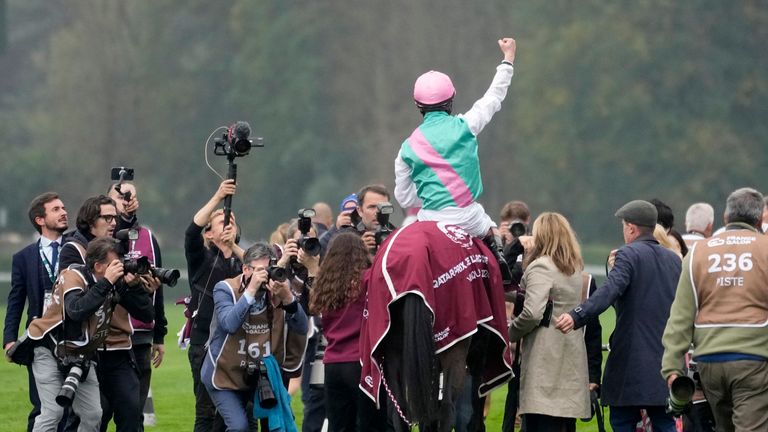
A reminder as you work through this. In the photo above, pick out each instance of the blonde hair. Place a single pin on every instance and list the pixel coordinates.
(279, 236)
(208, 225)
(661, 236)
(554, 237)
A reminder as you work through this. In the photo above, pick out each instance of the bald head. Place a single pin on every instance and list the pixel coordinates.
(323, 214)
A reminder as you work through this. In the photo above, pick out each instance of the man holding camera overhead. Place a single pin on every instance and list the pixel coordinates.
(83, 321)
(147, 338)
(212, 256)
(258, 329)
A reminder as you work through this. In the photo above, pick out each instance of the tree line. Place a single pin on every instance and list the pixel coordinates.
(610, 101)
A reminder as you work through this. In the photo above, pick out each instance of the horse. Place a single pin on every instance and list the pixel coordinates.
(434, 310)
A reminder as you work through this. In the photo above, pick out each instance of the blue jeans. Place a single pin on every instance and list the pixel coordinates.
(624, 419)
(231, 405)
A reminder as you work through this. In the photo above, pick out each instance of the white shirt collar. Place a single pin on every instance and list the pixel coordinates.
(46, 242)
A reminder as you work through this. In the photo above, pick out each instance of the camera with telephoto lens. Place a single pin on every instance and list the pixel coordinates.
(256, 377)
(517, 228)
(310, 245)
(317, 367)
(78, 367)
(236, 141)
(383, 210)
(166, 276)
(680, 395)
(141, 265)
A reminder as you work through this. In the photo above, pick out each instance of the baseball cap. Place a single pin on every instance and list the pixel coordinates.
(348, 203)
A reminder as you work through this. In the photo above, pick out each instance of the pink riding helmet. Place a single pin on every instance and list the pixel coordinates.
(432, 88)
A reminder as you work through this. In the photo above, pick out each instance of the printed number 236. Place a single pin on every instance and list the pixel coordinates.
(254, 350)
(729, 262)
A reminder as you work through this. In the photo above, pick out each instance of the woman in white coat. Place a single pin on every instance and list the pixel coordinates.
(554, 387)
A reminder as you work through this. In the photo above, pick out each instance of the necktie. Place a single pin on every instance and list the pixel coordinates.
(54, 253)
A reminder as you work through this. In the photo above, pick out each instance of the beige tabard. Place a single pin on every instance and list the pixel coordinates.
(93, 332)
(256, 338)
(729, 276)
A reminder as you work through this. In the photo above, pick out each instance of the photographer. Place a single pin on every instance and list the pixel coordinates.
(88, 319)
(147, 338)
(361, 218)
(312, 398)
(97, 217)
(257, 321)
(212, 256)
(116, 366)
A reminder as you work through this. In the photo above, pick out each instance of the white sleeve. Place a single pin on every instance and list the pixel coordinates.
(405, 189)
(484, 108)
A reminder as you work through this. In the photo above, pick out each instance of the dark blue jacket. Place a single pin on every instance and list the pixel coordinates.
(29, 280)
(641, 287)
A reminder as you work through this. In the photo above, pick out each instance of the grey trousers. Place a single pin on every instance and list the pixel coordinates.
(48, 378)
(737, 391)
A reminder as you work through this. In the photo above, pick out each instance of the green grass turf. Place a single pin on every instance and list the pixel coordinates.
(172, 388)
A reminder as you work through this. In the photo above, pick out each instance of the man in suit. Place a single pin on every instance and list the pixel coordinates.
(641, 287)
(34, 271)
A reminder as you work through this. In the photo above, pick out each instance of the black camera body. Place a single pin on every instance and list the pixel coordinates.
(137, 266)
(275, 272)
(121, 174)
(236, 141)
(141, 265)
(383, 211)
(256, 377)
(310, 245)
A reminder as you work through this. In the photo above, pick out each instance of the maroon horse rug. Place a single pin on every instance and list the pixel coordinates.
(457, 278)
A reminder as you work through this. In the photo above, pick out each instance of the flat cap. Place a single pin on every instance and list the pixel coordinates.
(638, 212)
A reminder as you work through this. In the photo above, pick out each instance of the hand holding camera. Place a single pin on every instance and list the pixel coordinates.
(281, 294)
(114, 271)
(369, 238)
(226, 188)
(258, 279)
(130, 206)
(344, 219)
(229, 234)
(290, 249)
(311, 262)
(150, 282)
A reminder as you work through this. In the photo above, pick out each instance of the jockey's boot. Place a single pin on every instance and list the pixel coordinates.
(494, 243)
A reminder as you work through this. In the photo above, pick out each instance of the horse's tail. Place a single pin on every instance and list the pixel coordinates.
(412, 351)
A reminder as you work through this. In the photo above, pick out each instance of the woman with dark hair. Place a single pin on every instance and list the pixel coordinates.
(554, 383)
(338, 295)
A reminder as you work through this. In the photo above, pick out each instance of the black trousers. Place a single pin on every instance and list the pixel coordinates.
(143, 355)
(545, 423)
(206, 419)
(346, 406)
(119, 385)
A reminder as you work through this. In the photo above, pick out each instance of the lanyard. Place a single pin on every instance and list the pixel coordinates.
(52, 270)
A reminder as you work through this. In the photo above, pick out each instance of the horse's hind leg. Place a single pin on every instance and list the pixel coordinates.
(453, 366)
